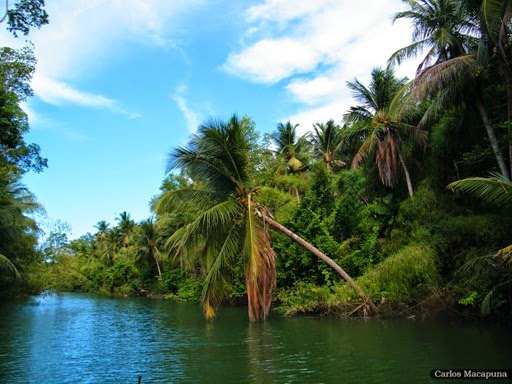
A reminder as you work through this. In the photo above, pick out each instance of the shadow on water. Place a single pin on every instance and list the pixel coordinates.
(83, 338)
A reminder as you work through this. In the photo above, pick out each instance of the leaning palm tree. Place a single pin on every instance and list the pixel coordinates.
(230, 223)
(327, 141)
(381, 121)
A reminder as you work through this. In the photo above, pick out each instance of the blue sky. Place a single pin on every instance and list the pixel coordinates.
(119, 83)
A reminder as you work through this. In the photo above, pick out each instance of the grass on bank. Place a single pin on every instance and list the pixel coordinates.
(409, 274)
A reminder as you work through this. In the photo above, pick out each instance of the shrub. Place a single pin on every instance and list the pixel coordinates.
(408, 274)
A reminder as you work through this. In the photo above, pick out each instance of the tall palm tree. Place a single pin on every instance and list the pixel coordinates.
(327, 141)
(381, 121)
(496, 16)
(441, 28)
(457, 70)
(126, 226)
(230, 223)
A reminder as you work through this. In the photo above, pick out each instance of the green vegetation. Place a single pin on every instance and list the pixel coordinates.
(245, 219)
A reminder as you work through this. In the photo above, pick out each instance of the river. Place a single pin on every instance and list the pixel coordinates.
(85, 338)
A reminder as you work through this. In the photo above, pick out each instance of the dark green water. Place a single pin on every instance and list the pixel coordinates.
(81, 338)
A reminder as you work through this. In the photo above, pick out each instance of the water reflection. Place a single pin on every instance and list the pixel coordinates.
(78, 338)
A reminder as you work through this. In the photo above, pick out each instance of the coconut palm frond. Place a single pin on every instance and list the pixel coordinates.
(202, 166)
(505, 255)
(357, 114)
(181, 199)
(485, 306)
(7, 264)
(366, 148)
(409, 52)
(491, 13)
(444, 75)
(362, 94)
(219, 216)
(216, 284)
(495, 189)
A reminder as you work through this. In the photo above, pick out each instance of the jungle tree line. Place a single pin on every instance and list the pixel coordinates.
(18, 229)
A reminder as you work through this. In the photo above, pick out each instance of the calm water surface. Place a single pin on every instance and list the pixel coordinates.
(83, 338)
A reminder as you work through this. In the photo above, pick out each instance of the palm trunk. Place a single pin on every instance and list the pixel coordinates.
(407, 176)
(492, 138)
(507, 74)
(509, 116)
(157, 265)
(274, 224)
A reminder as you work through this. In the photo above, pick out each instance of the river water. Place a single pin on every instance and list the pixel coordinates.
(84, 338)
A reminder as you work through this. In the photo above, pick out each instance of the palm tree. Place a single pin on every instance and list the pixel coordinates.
(327, 142)
(125, 226)
(111, 244)
(381, 121)
(442, 28)
(495, 25)
(102, 227)
(290, 147)
(230, 223)
(17, 203)
(147, 243)
(292, 152)
(449, 29)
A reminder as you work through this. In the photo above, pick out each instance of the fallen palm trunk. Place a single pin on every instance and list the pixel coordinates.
(274, 224)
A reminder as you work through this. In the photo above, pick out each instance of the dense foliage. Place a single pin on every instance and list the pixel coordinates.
(370, 192)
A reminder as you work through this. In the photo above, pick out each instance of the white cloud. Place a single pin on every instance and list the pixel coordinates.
(37, 121)
(83, 35)
(283, 10)
(192, 118)
(58, 93)
(261, 63)
(315, 46)
(318, 114)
